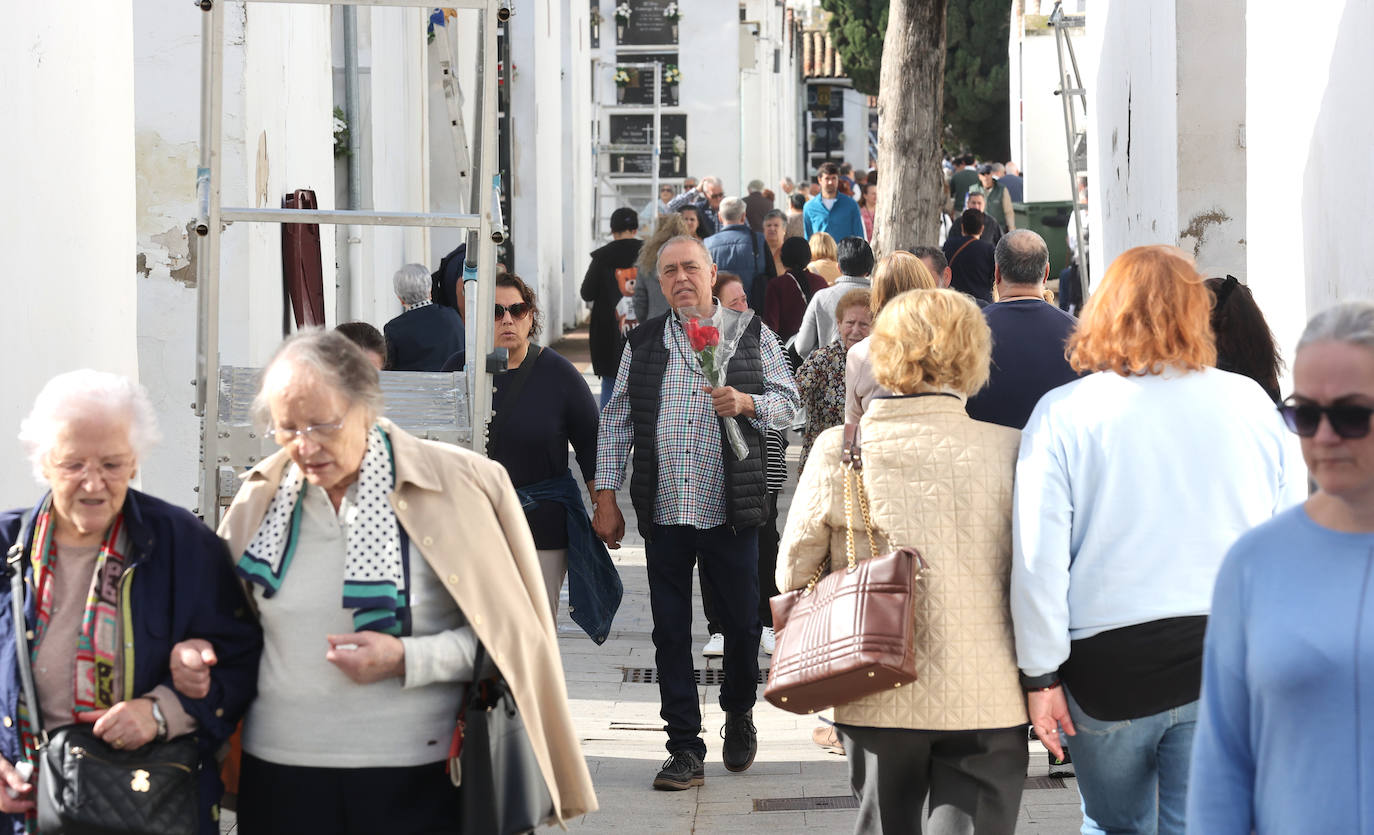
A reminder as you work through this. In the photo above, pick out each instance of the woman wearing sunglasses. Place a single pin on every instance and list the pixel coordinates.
(542, 404)
(1286, 675)
(1131, 483)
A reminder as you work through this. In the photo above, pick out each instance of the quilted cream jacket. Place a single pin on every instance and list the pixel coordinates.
(941, 482)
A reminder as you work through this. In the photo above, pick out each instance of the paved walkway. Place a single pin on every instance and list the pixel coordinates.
(793, 785)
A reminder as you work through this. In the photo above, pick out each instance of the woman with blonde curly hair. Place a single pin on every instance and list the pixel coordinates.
(940, 482)
(825, 257)
(895, 274)
(1132, 483)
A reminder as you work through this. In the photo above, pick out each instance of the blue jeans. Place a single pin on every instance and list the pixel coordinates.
(607, 386)
(730, 560)
(1133, 774)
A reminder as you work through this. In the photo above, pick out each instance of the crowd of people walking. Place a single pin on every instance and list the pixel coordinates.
(1123, 553)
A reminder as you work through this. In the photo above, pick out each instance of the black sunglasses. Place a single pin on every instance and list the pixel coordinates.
(1350, 422)
(517, 311)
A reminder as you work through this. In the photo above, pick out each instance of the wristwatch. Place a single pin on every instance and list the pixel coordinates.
(160, 719)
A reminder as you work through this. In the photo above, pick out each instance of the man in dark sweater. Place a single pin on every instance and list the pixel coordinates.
(970, 259)
(1028, 335)
(426, 335)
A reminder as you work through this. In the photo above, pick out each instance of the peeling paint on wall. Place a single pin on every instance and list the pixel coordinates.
(1197, 227)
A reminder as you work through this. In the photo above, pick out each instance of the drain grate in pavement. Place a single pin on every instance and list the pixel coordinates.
(636, 726)
(1044, 783)
(710, 677)
(804, 804)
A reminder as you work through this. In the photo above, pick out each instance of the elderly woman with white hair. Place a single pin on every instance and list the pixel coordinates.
(426, 336)
(378, 563)
(115, 578)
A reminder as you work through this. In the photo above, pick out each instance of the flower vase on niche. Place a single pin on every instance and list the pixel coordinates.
(619, 95)
(674, 33)
(670, 95)
(620, 32)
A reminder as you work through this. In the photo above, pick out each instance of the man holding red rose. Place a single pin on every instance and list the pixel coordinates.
(693, 496)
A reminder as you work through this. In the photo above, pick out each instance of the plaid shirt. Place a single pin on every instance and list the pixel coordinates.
(691, 474)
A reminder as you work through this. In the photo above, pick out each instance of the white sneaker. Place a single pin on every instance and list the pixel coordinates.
(715, 647)
(769, 640)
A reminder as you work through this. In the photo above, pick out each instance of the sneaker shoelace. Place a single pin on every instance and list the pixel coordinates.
(738, 720)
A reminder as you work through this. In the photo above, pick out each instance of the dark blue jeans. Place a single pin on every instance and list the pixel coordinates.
(730, 560)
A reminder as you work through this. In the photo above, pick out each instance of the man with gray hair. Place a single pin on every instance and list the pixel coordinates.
(740, 250)
(706, 197)
(1028, 334)
(756, 205)
(425, 335)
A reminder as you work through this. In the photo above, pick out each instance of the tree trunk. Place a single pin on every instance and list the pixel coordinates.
(911, 184)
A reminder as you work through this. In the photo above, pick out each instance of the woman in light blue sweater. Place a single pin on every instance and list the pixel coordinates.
(1285, 734)
(1131, 483)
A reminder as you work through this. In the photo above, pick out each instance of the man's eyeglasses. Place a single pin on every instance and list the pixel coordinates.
(1348, 421)
(517, 311)
(716, 195)
(316, 432)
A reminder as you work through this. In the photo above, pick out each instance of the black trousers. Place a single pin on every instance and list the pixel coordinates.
(974, 779)
(289, 800)
(767, 568)
(728, 558)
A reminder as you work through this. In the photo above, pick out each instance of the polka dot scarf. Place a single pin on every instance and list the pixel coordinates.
(374, 568)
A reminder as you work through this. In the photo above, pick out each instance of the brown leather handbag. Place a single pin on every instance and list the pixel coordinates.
(849, 633)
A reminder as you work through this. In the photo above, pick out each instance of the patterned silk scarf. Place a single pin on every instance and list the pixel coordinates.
(97, 648)
(374, 568)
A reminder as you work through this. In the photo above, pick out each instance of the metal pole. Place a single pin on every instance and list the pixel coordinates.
(353, 235)
(658, 131)
(207, 264)
(480, 322)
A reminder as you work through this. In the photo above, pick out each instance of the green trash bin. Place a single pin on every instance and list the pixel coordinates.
(1050, 220)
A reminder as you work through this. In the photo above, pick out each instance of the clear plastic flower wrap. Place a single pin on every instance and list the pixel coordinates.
(714, 339)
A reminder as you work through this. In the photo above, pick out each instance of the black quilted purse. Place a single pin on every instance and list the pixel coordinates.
(86, 787)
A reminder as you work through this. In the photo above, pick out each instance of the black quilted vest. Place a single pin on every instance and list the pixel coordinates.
(745, 490)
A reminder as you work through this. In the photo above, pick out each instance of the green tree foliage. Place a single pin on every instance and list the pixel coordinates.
(976, 78)
(856, 29)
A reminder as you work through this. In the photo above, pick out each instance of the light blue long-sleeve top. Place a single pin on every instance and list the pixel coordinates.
(1129, 490)
(1285, 735)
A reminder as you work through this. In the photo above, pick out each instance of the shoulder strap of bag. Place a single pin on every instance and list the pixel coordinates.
(960, 249)
(852, 458)
(517, 385)
(15, 561)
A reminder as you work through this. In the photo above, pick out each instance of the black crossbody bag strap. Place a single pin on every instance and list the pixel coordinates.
(15, 561)
(517, 385)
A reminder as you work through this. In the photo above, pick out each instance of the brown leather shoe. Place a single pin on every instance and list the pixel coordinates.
(825, 737)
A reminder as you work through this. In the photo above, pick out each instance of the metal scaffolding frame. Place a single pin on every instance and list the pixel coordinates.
(604, 149)
(484, 225)
(1075, 135)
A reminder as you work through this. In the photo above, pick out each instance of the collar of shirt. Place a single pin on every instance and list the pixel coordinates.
(419, 304)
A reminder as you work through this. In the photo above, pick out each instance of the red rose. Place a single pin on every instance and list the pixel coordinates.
(694, 334)
(710, 336)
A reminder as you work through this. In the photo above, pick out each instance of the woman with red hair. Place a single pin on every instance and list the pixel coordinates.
(1131, 484)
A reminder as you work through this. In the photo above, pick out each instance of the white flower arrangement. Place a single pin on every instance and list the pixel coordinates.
(679, 145)
(623, 77)
(671, 74)
(622, 13)
(671, 12)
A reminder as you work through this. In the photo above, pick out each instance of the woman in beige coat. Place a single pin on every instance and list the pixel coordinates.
(377, 562)
(940, 482)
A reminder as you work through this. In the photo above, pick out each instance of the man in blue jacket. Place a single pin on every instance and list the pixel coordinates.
(831, 212)
(738, 249)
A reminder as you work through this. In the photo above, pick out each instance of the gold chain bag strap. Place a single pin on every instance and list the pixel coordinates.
(851, 633)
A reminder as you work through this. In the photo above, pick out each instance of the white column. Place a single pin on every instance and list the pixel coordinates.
(577, 159)
(537, 224)
(67, 220)
(1309, 163)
